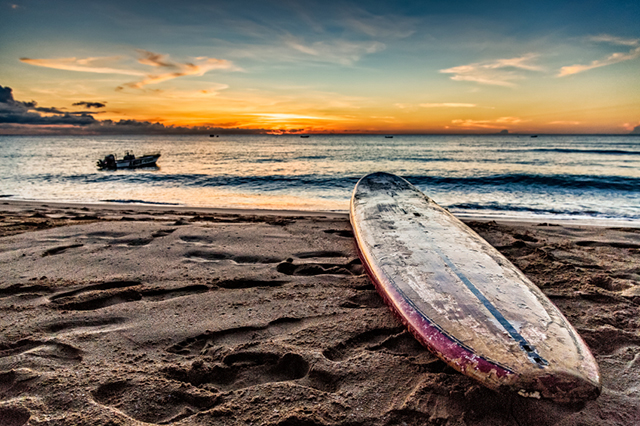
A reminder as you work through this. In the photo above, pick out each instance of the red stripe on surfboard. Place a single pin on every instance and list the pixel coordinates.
(429, 335)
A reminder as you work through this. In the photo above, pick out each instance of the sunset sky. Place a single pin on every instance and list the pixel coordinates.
(112, 66)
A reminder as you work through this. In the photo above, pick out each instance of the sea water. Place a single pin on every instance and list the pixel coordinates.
(594, 178)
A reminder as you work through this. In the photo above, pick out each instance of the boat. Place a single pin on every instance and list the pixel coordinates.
(304, 136)
(388, 136)
(129, 161)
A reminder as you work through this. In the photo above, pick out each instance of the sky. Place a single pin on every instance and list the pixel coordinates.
(112, 66)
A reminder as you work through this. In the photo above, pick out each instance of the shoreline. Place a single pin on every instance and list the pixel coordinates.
(114, 206)
(129, 315)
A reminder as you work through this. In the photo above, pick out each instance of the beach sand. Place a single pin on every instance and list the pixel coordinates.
(130, 315)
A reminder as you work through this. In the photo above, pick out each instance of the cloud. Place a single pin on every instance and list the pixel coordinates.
(635, 131)
(378, 26)
(90, 104)
(448, 105)
(500, 72)
(566, 123)
(117, 65)
(288, 117)
(201, 66)
(155, 59)
(94, 65)
(498, 123)
(16, 112)
(335, 51)
(18, 117)
(609, 60)
(606, 38)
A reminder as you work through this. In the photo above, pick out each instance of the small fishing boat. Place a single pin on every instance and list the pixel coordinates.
(304, 136)
(129, 161)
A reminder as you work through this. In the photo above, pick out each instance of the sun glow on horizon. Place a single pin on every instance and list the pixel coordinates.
(269, 68)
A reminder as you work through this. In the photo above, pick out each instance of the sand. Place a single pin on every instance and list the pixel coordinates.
(136, 315)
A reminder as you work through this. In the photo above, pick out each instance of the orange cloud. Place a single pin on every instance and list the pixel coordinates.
(609, 60)
(499, 72)
(105, 65)
(448, 105)
(498, 123)
(566, 123)
(96, 65)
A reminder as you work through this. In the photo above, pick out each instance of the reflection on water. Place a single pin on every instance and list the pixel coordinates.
(574, 176)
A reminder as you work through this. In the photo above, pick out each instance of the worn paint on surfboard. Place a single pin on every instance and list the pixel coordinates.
(464, 300)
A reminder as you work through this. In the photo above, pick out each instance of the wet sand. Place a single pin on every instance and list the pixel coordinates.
(131, 315)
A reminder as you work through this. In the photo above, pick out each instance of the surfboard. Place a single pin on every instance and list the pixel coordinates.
(464, 300)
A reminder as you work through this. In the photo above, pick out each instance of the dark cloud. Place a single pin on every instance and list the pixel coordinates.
(37, 119)
(636, 130)
(18, 117)
(6, 95)
(147, 127)
(155, 59)
(90, 104)
(16, 112)
(47, 110)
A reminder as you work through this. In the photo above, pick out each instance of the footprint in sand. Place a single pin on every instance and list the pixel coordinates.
(197, 239)
(24, 290)
(83, 322)
(243, 369)
(216, 256)
(125, 239)
(18, 353)
(606, 339)
(14, 416)
(368, 340)
(310, 269)
(154, 400)
(247, 283)
(228, 365)
(17, 382)
(60, 249)
(102, 295)
(340, 233)
(209, 341)
(365, 298)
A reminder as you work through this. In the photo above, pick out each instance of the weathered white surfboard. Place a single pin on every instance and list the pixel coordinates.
(462, 299)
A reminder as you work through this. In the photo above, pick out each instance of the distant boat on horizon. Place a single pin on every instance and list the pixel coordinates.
(304, 136)
(388, 136)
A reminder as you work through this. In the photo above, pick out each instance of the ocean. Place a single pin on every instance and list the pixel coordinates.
(589, 178)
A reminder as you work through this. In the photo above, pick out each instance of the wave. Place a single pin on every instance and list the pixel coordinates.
(494, 206)
(140, 202)
(528, 181)
(581, 151)
(507, 182)
(505, 208)
(262, 183)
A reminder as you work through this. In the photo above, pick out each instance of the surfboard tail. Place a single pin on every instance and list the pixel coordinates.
(558, 385)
